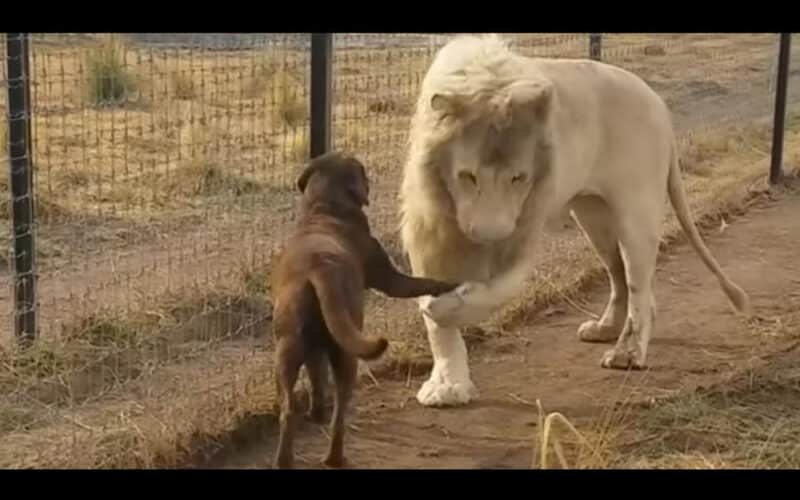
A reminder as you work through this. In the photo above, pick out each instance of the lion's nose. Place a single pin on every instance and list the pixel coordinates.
(490, 232)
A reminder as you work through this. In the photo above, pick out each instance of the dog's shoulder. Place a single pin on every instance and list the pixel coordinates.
(325, 238)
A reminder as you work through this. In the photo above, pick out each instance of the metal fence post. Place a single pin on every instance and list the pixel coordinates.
(595, 46)
(778, 124)
(22, 202)
(321, 92)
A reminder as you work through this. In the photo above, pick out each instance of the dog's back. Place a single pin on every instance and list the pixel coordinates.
(318, 285)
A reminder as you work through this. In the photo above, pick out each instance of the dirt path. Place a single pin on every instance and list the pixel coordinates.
(698, 342)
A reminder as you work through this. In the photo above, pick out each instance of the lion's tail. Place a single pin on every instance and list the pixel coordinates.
(332, 293)
(677, 196)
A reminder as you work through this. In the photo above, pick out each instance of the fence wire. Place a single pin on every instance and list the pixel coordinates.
(164, 174)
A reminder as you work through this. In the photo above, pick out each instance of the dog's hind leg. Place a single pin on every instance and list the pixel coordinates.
(345, 368)
(288, 359)
(318, 376)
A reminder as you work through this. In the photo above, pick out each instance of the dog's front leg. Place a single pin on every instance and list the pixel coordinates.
(382, 275)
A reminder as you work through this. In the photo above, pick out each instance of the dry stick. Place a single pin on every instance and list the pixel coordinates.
(546, 423)
(539, 427)
(69, 419)
(371, 375)
(571, 302)
(518, 399)
(560, 453)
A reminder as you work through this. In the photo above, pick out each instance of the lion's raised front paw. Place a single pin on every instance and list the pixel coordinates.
(460, 307)
(441, 308)
(621, 360)
(439, 393)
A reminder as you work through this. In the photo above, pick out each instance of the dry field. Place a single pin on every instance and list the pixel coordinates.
(164, 181)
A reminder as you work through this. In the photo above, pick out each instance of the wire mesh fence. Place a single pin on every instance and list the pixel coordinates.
(792, 93)
(164, 169)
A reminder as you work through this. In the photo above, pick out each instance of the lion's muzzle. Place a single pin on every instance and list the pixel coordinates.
(489, 231)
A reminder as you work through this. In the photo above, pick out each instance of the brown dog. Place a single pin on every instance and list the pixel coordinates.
(318, 283)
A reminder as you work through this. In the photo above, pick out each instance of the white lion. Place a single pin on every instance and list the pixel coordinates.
(501, 144)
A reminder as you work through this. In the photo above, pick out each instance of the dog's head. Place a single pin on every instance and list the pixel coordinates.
(335, 177)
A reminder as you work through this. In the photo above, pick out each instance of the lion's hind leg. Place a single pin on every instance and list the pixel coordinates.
(638, 225)
(597, 223)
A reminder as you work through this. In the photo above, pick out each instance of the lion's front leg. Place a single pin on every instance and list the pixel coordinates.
(449, 383)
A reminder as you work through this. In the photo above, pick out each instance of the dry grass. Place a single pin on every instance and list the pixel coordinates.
(259, 102)
(547, 437)
(181, 113)
(748, 421)
(114, 347)
(65, 378)
(291, 106)
(184, 87)
(109, 82)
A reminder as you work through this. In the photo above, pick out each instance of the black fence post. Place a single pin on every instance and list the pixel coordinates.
(22, 202)
(321, 92)
(778, 124)
(595, 46)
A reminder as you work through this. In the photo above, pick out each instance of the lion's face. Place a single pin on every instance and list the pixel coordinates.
(489, 178)
(491, 157)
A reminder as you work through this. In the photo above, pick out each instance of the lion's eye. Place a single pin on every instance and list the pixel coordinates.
(518, 178)
(468, 177)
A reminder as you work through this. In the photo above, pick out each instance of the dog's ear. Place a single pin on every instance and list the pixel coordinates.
(364, 177)
(360, 189)
(308, 169)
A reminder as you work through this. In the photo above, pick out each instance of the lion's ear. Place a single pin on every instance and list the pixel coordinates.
(533, 96)
(446, 104)
(440, 102)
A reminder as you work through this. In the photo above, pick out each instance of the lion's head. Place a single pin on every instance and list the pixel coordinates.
(496, 150)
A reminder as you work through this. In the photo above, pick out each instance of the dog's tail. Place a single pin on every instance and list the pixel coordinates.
(332, 292)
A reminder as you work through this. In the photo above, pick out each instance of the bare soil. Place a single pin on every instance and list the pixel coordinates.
(698, 342)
